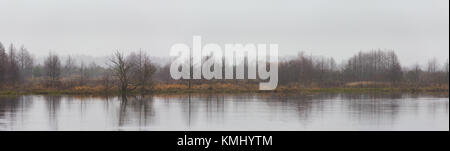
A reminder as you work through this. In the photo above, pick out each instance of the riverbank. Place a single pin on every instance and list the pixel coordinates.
(221, 88)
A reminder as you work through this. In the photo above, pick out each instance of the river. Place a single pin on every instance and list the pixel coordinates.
(225, 112)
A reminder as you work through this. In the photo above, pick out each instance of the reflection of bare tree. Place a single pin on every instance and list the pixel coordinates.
(143, 106)
(122, 111)
(307, 105)
(446, 107)
(13, 107)
(84, 104)
(214, 106)
(137, 109)
(106, 103)
(187, 109)
(191, 104)
(304, 106)
(8, 105)
(373, 107)
(53, 104)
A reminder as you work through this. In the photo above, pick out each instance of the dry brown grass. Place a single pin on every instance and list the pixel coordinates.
(225, 88)
(367, 84)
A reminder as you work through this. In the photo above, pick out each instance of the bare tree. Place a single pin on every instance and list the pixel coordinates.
(376, 65)
(432, 71)
(446, 68)
(13, 70)
(395, 69)
(413, 76)
(107, 80)
(52, 67)
(3, 64)
(83, 74)
(69, 66)
(121, 69)
(432, 65)
(25, 63)
(142, 70)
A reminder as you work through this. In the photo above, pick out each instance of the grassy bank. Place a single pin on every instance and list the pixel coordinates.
(221, 88)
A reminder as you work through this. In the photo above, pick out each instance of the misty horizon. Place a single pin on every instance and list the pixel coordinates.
(324, 28)
(226, 65)
(104, 60)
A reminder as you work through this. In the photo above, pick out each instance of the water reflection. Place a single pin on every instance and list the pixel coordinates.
(227, 112)
(137, 111)
(12, 108)
(53, 104)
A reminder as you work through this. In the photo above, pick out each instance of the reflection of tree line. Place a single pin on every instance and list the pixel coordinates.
(214, 110)
(53, 104)
(366, 107)
(373, 108)
(215, 104)
(140, 107)
(140, 110)
(13, 105)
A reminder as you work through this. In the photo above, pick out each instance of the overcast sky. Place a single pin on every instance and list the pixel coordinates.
(416, 29)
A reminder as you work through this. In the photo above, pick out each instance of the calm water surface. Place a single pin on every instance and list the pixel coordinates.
(227, 112)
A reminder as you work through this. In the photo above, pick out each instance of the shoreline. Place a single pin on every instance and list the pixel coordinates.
(281, 90)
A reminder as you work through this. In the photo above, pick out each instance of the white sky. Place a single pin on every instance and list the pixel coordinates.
(416, 29)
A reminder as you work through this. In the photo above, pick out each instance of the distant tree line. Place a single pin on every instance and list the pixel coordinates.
(137, 72)
(376, 66)
(16, 65)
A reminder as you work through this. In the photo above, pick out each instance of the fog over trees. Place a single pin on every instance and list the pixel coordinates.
(52, 68)
(373, 68)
